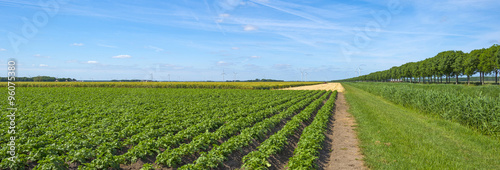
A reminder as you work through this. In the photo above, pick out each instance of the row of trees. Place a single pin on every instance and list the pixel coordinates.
(446, 64)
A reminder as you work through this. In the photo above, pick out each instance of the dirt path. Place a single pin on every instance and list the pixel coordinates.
(345, 152)
(329, 86)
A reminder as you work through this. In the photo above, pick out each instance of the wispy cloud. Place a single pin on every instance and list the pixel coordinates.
(223, 63)
(281, 6)
(107, 46)
(3, 49)
(254, 56)
(157, 49)
(235, 48)
(40, 56)
(122, 56)
(92, 62)
(249, 28)
(282, 66)
(44, 65)
(224, 15)
(77, 44)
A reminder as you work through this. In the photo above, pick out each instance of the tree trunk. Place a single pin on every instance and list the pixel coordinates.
(482, 80)
(468, 82)
(496, 76)
(456, 82)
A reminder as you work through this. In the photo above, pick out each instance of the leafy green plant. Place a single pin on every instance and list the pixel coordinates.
(311, 139)
(147, 166)
(101, 128)
(219, 153)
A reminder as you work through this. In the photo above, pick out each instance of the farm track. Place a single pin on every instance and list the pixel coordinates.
(341, 147)
(328, 86)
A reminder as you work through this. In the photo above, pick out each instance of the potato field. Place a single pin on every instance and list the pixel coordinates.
(164, 128)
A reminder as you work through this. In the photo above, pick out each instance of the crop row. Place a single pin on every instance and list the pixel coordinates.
(91, 126)
(311, 139)
(258, 159)
(219, 154)
(173, 157)
(152, 145)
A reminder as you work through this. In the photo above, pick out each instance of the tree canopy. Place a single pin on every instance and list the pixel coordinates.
(447, 64)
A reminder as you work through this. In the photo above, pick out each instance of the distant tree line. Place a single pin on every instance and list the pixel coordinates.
(38, 79)
(133, 80)
(264, 80)
(446, 64)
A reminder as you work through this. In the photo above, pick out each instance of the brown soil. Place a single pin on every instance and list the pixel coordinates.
(341, 147)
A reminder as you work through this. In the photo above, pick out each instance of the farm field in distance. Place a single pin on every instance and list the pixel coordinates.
(131, 128)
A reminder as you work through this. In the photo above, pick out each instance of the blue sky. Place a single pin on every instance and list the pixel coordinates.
(198, 39)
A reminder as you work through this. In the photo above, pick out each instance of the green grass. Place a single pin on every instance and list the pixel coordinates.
(394, 137)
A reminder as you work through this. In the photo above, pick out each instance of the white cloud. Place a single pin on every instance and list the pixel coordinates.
(249, 28)
(224, 15)
(235, 48)
(254, 56)
(122, 56)
(44, 65)
(282, 66)
(105, 45)
(3, 49)
(221, 18)
(223, 63)
(40, 56)
(92, 62)
(157, 49)
(77, 44)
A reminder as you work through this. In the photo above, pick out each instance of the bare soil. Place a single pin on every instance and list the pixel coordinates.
(341, 147)
(328, 86)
